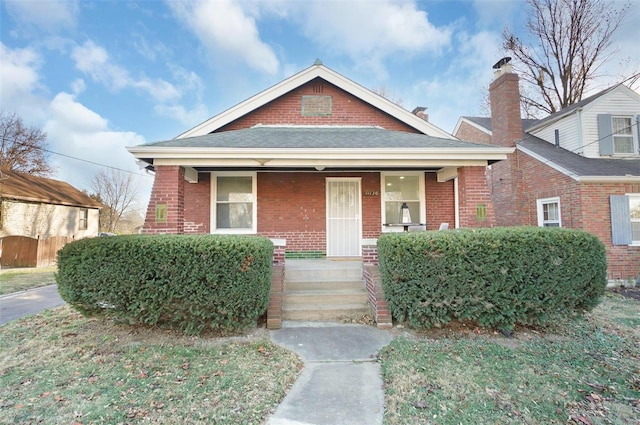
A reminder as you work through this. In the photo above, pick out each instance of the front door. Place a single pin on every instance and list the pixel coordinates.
(344, 224)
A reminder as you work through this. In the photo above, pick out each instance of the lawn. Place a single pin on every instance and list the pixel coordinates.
(61, 368)
(14, 280)
(585, 371)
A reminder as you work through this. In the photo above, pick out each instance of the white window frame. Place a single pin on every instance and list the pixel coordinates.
(213, 206)
(634, 242)
(421, 197)
(83, 218)
(632, 136)
(540, 208)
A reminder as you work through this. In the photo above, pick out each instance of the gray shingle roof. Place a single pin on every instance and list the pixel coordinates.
(274, 137)
(578, 164)
(485, 122)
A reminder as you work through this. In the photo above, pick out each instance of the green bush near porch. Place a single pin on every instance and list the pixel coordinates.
(496, 277)
(186, 282)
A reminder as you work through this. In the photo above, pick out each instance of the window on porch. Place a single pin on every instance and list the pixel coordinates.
(233, 206)
(398, 189)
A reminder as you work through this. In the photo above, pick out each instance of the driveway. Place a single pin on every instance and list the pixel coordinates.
(33, 301)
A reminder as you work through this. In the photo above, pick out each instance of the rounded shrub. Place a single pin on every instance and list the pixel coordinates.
(496, 277)
(188, 282)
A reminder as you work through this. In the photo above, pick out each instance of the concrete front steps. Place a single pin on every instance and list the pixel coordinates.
(324, 290)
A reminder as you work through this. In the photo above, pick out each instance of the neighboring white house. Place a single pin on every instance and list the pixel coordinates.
(41, 208)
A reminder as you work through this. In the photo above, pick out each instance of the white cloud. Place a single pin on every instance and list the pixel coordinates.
(95, 61)
(369, 32)
(461, 89)
(188, 117)
(78, 86)
(227, 32)
(75, 130)
(20, 83)
(49, 15)
(18, 73)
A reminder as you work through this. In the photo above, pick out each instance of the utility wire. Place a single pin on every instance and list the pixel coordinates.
(73, 157)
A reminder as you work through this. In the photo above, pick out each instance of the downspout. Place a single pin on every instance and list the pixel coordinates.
(580, 131)
(456, 202)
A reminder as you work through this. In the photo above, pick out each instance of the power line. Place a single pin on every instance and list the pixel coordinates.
(74, 157)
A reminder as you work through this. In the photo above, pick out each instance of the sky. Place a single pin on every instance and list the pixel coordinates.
(98, 76)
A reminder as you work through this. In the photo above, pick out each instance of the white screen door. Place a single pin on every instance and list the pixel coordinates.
(344, 228)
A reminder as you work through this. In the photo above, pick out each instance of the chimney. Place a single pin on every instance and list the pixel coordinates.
(420, 112)
(504, 97)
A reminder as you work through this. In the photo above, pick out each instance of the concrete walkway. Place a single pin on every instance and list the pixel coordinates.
(341, 382)
(25, 303)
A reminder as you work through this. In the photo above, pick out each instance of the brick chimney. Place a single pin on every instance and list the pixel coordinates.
(420, 111)
(504, 96)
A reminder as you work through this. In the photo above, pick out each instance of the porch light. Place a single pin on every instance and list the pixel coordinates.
(406, 216)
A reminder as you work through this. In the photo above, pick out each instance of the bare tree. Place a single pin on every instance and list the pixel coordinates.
(116, 191)
(570, 40)
(386, 93)
(22, 149)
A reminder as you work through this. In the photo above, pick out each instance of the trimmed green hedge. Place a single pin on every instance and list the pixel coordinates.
(496, 277)
(186, 282)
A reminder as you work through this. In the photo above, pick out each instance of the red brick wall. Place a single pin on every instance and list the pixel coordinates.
(168, 188)
(583, 206)
(470, 133)
(197, 205)
(346, 110)
(292, 206)
(623, 261)
(473, 191)
(440, 202)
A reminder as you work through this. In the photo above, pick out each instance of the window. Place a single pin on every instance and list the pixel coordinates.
(622, 135)
(83, 218)
(617, 135)
(625, 219)
(549, 212)
(634, 214)
(399, 189)
(233, 205)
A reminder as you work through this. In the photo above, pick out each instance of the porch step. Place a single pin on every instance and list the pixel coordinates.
(324, 290)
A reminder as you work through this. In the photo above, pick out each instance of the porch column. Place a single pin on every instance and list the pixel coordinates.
(475, 205)
(165, 213)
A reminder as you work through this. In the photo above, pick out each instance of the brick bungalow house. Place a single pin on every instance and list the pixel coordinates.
(322, 166)
(577, 168)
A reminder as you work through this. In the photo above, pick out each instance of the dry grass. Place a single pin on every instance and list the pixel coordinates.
(62, 368)
(585, 371)
(14, 280)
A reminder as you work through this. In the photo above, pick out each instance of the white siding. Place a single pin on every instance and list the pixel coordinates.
(579, 130)
(616, 102)
(569, 133)
(44, 220)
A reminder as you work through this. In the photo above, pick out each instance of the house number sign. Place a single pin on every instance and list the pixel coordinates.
(372, 193)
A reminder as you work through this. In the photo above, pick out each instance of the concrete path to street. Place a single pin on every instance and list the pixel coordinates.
(25, 303)
(340, 382)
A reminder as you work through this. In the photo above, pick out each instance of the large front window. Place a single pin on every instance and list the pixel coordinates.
(234, 208)
(399, 189)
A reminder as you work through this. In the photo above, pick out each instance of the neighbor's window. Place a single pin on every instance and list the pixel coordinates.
(83, 218)
(399, 188)
(634, 212)
(549, 212)
(234, 206)
(622, 135)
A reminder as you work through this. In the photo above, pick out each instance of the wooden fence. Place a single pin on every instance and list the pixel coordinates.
(22, 251)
